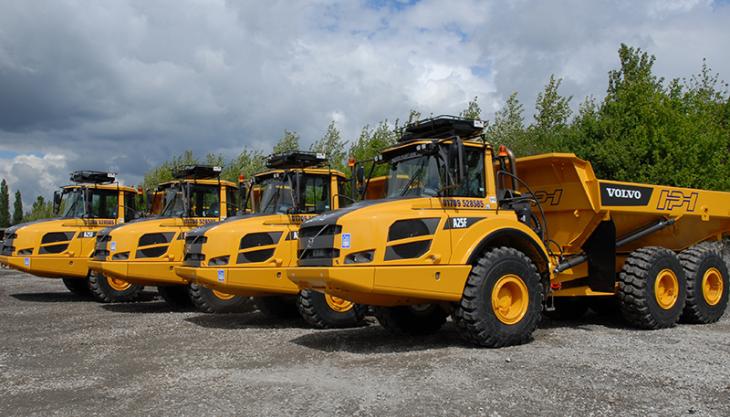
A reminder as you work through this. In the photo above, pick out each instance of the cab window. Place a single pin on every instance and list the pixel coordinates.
(316, 194)
(344, 192)
(130, 206)
(232, 201)
(104, 204)
(473, 182)
(205, 201)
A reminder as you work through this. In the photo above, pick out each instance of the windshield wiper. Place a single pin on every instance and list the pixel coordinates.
(413, 178)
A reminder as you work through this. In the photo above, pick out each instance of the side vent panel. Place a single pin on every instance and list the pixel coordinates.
(404, 229)
(407, 250)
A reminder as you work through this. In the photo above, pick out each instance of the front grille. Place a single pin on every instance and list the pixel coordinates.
(316, 245)
(193, 259)
(100, 251)
(101, 254)
(8, 250)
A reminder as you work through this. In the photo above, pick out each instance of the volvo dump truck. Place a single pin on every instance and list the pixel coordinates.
(61, 247)
(145, 252)
(250, 255)
(466, 230)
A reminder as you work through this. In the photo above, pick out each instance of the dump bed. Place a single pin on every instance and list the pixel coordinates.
(575, 202)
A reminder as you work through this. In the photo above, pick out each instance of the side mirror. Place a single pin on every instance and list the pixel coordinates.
(56, 203)
(456, 160)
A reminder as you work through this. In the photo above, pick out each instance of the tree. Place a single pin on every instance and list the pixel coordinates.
(472, 111)
(288, 142)
(164, 171)
(508, 127)
(4, 204)
(18, 208)
(372, 141)
(247, 163)
(40, 210)
(332, 145)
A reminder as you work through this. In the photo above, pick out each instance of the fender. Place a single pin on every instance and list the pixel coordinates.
(511, 234)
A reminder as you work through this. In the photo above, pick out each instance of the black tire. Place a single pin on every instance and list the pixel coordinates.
(698, 261)
(417, 320)
(277, 306)
(103, 292)
(315, 310)
(176, 296)
(568, 308)
(636, 291)
(605, 305)
(78, 286)
(475, 316)
(205, 300)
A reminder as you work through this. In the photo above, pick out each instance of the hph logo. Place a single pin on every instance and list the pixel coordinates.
(669, 200)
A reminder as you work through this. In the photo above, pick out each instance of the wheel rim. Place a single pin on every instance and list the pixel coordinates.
(712, 286)
(338, 304)
(666, 289)
(222, 295)
(118, 284)
(510, 299)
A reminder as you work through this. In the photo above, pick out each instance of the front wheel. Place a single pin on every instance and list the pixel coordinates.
(105, 289)
(324, 311)
(212, 301)
(502, 300)
(414, 320)
(78, 286)
(176, 296)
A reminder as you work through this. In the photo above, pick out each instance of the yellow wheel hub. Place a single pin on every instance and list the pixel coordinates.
(222, 296)
(510, 299)
(338, 304)
(712, 286)
(666, 289)
(118, 284)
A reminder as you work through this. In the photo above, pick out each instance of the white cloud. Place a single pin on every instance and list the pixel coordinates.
(34, 175)
(127, 84)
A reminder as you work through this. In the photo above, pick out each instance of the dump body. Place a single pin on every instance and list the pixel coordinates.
(432, 264)
(62, 247)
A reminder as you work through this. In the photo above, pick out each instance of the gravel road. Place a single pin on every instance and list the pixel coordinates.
(63, 355)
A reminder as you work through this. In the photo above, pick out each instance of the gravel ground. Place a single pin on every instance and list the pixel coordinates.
(62, 355)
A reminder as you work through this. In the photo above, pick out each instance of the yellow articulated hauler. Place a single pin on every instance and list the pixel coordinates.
(490, 240)
(61, 247)
(251, 254)
(145, 252)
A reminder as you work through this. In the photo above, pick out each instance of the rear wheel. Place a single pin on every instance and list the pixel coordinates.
(325, 311)
(568, 308)
(277, 306)
(105, 289)
(176, 296)
(415, 320)
(707, 284)
(212, 301)
(502, 300)
(78, 286)
(652, 288)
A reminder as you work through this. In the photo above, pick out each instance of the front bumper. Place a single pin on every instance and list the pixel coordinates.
(49, 266)
(142, 273)
(386, 285)
(241, 281)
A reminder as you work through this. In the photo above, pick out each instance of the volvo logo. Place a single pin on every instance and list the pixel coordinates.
(621, 193)
(310, 242)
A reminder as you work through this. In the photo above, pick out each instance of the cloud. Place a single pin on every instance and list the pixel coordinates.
(34, 175)
(124, 85)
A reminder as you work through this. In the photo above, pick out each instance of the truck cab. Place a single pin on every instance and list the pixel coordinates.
(250, 255)
(61, 247)
(146, 251)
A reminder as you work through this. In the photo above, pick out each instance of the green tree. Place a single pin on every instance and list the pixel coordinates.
(549, 131)
(288, 142)
(40, 210)
(164, 171)
(247, 163)
(508, 127)
(18, 208)
(332, 145)
(4, 204)
(472, 111)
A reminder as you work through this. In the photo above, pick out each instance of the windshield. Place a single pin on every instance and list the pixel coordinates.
(72, 203)
(203, 201)
(416, 176)
(272, 195)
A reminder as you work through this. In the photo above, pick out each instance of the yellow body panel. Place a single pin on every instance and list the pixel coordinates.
(241, 281)
(575, 202)
(33, 256)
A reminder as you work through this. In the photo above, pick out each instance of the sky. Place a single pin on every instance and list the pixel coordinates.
(123, 85)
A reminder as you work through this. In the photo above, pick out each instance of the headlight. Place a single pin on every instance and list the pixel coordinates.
(360, 257)
(121, 256)
(219, 261)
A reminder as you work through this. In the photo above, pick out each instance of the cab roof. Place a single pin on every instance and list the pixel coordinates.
(124, 188)
(315, 171)
(208, 181)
